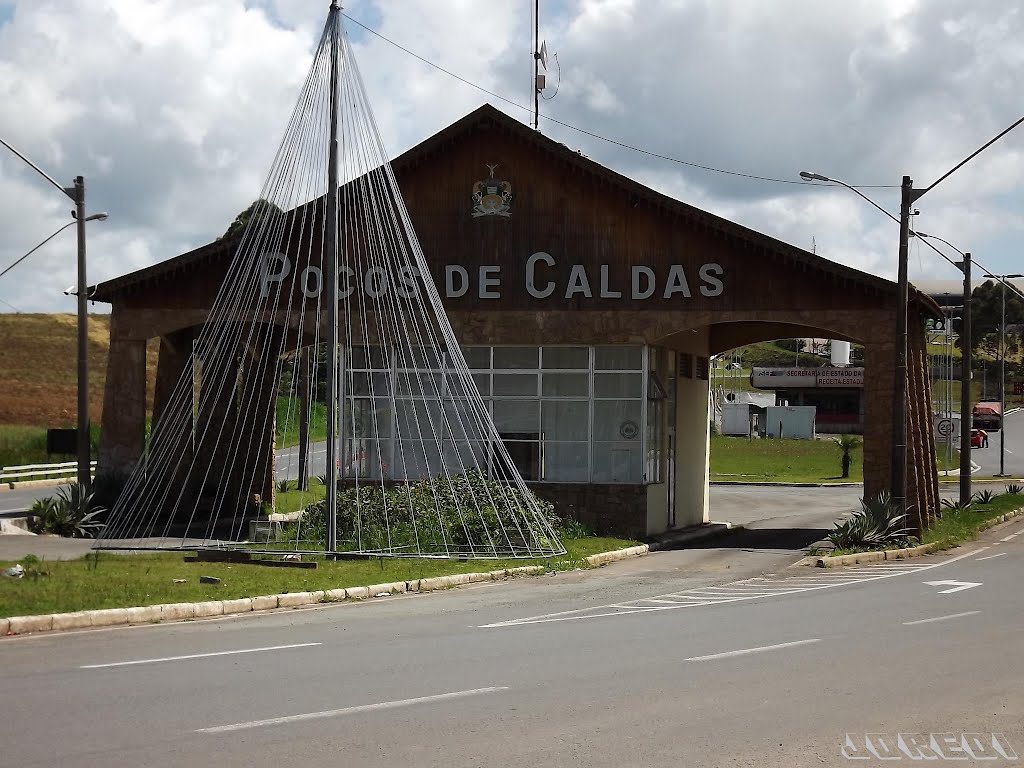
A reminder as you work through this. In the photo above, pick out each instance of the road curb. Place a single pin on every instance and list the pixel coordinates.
(45, 483)
(156, 614)
(897, 554)
(785, 485)
(601, 558)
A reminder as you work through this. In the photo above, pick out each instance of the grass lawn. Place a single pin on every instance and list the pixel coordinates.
(738, 459)
(957, 527)
(293, 500)
(20, 445)
(119, 581)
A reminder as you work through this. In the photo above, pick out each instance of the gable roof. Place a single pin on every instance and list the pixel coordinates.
(487, 116)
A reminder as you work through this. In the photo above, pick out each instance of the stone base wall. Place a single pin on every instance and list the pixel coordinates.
(609, 508)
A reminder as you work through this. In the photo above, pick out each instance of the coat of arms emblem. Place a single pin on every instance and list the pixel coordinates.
(492, 197)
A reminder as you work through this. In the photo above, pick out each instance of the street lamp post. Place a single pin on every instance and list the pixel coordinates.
(966, 364)
(76, 193)
(899, 394)
(1002, 375)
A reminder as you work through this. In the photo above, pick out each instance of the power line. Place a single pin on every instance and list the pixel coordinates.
(974, 154)
(585, 132)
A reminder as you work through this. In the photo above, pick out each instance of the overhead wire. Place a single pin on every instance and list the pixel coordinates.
(592, 134)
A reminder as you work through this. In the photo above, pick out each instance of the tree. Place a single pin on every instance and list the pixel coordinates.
(847, 445)
(987, 316)
(264, 208)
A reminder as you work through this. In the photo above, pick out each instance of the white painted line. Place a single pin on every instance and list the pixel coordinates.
(351, 710)
(745, 651)
(13, 509)
(989, 557)
(197, 656)
(940, 618)
(954, 586)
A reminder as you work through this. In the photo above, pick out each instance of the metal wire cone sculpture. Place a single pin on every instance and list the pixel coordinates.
(328, 327)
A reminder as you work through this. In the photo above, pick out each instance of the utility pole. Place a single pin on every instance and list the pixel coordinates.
(965, 385)
(899, 397)
(536, 63)
(333, 296)
(84, 449)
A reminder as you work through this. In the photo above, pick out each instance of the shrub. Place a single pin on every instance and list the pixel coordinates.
(283, 486)
(460, 513)
(1014, 488)
(956, 507)
(879, 523)
(74, 513)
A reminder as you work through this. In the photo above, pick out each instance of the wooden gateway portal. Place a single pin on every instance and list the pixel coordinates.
(588, 307)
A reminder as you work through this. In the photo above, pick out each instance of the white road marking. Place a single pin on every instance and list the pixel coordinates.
(352, 710)
(940, 618)
(745, 651)
(197, 656)
(703, 596)
(989, 557)
(1011, 536)
(954, 586)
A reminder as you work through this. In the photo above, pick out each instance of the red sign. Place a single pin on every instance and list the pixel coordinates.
(1018, 387)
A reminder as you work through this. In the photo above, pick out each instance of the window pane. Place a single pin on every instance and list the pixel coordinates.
(418, 384)
(516, 357)
(369, 418)
(620, 358)
(374, 384)
(426, 357)
(420, 419)
(520, 416)
(368, 459)
(483, 383)
(526, 457)
(566, 357)
(368, 357)
(515, 384)
(565, 419)
(477, 357)
(415, 459)
(566, 462)
(617, 420)
(566, 384)
(617, 462)
(618, 384)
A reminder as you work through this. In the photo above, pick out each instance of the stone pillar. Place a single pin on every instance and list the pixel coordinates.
(123, 434)
(879, 367)
(175, 358)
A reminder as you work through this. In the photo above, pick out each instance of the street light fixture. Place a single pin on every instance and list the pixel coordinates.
(1002, 375)
(76, 193)
(966, 365)
(899, 399)
(94, 217)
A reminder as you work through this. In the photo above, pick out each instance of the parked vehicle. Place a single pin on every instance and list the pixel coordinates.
(987, 415)
(976, 438)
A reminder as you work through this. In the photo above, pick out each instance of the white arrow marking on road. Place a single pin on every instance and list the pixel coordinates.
(957, 586)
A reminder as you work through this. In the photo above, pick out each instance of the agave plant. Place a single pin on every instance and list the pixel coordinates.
(983, 497)
(1014, 488)
(283, 486)
(956, 507)
(73, 513)
(322, 479)
(880, 522)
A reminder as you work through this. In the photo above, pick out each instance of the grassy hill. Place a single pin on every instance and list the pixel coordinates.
(39, 369)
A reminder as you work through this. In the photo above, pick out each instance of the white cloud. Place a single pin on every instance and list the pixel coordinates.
(172, 110)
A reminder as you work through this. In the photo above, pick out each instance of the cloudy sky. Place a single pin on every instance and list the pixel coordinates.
(172, 110)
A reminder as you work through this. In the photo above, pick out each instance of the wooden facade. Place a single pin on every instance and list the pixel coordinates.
(583, 256)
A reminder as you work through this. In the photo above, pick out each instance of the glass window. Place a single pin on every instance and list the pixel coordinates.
(374, 384)
(368, 357)
(619, 358)
(565, 384)
(565, 357)
(477, 357)
(483, 383)
(420, 419)
(517, 416)
(566, 462)
(418, 384)
(516, 357)
(617, 462)
(565, 419)
(525, 456)
(369, 418)
(417, 458)
(617, 420)
(515, 385)
(618, 385)
(425, 357)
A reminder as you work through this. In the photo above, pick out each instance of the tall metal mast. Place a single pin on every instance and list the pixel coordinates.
(331, 280)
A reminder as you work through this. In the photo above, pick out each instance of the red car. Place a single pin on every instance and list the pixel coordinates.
(976, 438)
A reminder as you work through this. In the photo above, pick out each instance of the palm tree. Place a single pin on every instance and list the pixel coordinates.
(847, 445)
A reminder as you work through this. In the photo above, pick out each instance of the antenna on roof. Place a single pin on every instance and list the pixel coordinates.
(540, 59)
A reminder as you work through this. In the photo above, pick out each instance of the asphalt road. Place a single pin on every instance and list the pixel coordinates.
(637, 664)
(988, 458)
